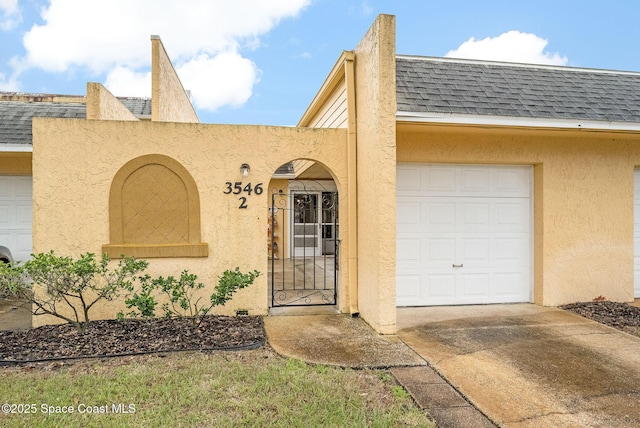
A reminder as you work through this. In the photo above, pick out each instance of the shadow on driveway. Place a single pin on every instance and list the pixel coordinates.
(530, 366)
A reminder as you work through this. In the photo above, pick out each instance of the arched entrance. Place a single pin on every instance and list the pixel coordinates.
(303, 240)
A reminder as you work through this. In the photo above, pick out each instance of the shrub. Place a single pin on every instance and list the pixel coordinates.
(10, 275)
(70, 288)
(182, 302)
(68, 284)
(181, 294)
(143, 300)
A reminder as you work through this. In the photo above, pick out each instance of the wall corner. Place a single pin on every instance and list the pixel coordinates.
(102, 105)
(169, 100)
(375, 95)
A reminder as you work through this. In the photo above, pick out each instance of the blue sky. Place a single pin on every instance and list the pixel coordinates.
(262, 61)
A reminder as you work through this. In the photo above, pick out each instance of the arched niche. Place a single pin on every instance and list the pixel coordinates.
(154, 210)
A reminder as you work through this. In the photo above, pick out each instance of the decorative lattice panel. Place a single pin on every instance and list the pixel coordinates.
(155, 207)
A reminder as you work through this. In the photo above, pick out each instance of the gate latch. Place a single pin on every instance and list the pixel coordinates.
(457, 266)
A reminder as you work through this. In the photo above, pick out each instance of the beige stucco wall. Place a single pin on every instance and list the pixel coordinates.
(376, 174)
(15, 163)
(74, 162)
(583, 199)
(169, 100)
(101, 104)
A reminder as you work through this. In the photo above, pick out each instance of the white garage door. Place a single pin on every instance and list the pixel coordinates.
(15, 215)
(636, 234)
(463, 234)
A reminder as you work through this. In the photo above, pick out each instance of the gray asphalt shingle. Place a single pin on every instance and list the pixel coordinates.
(15, 116)
(448, 86)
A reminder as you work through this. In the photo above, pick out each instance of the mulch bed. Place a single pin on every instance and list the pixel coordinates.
(621, 316)
(134, 336)
(130, 337)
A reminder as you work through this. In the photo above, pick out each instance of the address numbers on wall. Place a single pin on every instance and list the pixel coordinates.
(238, 187)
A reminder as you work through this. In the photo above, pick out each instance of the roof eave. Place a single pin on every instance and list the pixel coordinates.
(18, 148)
(520, 122)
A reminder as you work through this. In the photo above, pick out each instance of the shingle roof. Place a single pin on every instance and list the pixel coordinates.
(15, 116)
(463, 87)
(140, 107)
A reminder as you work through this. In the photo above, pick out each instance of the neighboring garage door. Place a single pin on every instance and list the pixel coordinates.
(463, 234)
(636, 234)
(15, 215)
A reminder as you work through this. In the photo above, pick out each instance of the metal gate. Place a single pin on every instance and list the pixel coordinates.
(303, 248)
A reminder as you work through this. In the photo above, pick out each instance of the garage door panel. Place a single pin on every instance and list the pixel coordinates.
(636, 233)
(440, 251)
(511, 250)
(7, 188)
(23, 214)
(16, 215)
(409, 287)
(512, 216)
(409, 179)
(7, 215)
(408, 251)
(441, 216)
(23, 186)
(474, 286)
(513, 182)
(408, 215)
(23, 245)
(440, 286)
(468, 216)
(439, 180)
(474, 181)
(508, 286)
(474, 217)
(474, 251)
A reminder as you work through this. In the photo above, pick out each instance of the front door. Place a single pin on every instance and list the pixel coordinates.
(305, 224)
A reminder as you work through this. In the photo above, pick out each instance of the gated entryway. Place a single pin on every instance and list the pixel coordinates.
(303, 248)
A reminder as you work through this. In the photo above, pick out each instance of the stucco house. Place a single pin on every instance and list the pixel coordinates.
(409, 181)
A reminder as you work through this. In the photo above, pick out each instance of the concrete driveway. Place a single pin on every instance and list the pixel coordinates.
(528, 366)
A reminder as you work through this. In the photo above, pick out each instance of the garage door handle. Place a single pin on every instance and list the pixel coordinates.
(455, 265)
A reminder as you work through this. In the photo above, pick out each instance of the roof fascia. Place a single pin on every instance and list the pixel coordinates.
(519, 65)
(336, 74)
(522, 122)
(20, 148)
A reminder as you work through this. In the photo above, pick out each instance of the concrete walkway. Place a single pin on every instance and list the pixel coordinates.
(343, 341)
(521, 365)
(15, 314)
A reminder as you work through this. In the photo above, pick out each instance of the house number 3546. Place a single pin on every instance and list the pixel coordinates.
(239, 187)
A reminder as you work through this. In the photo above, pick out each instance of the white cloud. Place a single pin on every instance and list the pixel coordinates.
(366, 8)
(9, 85)
(112, 37)
(9, 14)
(512, 46)
(225, 79)
(123, 81)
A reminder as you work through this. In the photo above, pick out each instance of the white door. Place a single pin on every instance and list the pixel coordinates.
(636, 234)
(305, 234)
(463, 234)
(15, 215)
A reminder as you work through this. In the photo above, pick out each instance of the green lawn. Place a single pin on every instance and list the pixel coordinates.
(251, 388)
